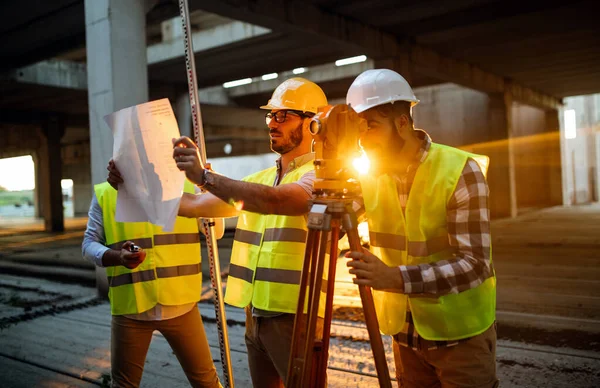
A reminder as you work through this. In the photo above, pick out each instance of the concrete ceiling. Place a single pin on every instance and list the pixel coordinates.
(552, 47)
(34, 30)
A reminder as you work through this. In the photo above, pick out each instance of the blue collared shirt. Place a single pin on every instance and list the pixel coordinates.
(94, 239)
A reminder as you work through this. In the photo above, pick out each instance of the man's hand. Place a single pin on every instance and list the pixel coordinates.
(187, 157)
(371, 271)
(130, 259)
(114, 176)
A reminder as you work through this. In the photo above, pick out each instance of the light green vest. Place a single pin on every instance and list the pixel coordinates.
(419, 237)
(171, 273)
(268, 254)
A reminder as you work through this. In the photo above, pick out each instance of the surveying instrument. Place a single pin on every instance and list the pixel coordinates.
(336, 132)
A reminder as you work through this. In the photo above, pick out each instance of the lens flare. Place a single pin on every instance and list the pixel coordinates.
(362, 164)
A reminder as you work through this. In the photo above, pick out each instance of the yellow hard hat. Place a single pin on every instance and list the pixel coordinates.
(297, 94)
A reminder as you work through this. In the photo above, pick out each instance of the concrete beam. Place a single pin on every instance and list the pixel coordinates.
(217, 36)
(57, 73)
(531, 97)
(291, 17)
(73, 75)
(214, 95)
(430, 63)
(318, 74)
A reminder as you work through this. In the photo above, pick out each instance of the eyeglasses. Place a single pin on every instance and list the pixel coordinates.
(280, 116)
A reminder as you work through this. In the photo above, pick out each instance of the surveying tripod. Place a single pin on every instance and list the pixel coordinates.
(331, 211)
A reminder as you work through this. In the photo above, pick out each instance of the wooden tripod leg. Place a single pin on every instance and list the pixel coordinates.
(313, 310)
(383, 373)
(296, 362)
(321, 375)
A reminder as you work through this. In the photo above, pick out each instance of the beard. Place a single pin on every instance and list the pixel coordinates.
(384, 154)
(287, 144)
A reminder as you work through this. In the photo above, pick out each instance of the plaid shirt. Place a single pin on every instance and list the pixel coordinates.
(468, 220)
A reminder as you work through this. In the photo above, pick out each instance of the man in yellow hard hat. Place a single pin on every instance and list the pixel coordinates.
(269, 244)
(429, 223)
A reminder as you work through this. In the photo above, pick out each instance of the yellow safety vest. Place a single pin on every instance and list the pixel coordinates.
(419, 237)
(171, 273)
(268, 254)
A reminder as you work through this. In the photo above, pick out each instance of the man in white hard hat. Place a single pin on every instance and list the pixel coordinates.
(428, 214)
(269, 243)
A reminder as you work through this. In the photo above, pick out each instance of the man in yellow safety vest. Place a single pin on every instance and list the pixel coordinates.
(155, 282)
(430, 263)
(269, 243)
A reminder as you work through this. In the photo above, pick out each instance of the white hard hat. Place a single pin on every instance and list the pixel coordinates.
(377, 87)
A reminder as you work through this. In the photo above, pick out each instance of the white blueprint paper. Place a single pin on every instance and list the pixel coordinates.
(143, 153)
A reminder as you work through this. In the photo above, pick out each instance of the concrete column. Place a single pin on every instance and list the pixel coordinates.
(564, 161)
(183, 113)
(554, 162)
(78, 170)
(82, 197)
(117, 76)
(117, 69)
(38, 193)
(595, 137)
(501, 174)
(49, 172)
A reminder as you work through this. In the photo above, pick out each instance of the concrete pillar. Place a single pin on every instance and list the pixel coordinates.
(117, 76)
(117, 69)
(82, 197)
(595, 136)
(38, 193)
(78, 169)
(49, 173)
(183, 113)
(564, 161)
(554, 163)
(501, 173)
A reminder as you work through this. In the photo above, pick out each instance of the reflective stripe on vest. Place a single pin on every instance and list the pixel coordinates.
(161, 239)
(176, 238)
(286, 234)
(144, 243)
(237, 271)
(272, 234)
(170, 274)
(415, 248)
(266, 274)
(248, 237)
(147, 275)
(131, 277)
(419, 236)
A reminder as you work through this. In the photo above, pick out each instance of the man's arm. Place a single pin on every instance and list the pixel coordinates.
(205, 205)
(93, 246)
(288, 199)
(468, 219)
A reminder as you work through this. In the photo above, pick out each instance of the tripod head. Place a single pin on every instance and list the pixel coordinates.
(336, 131)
